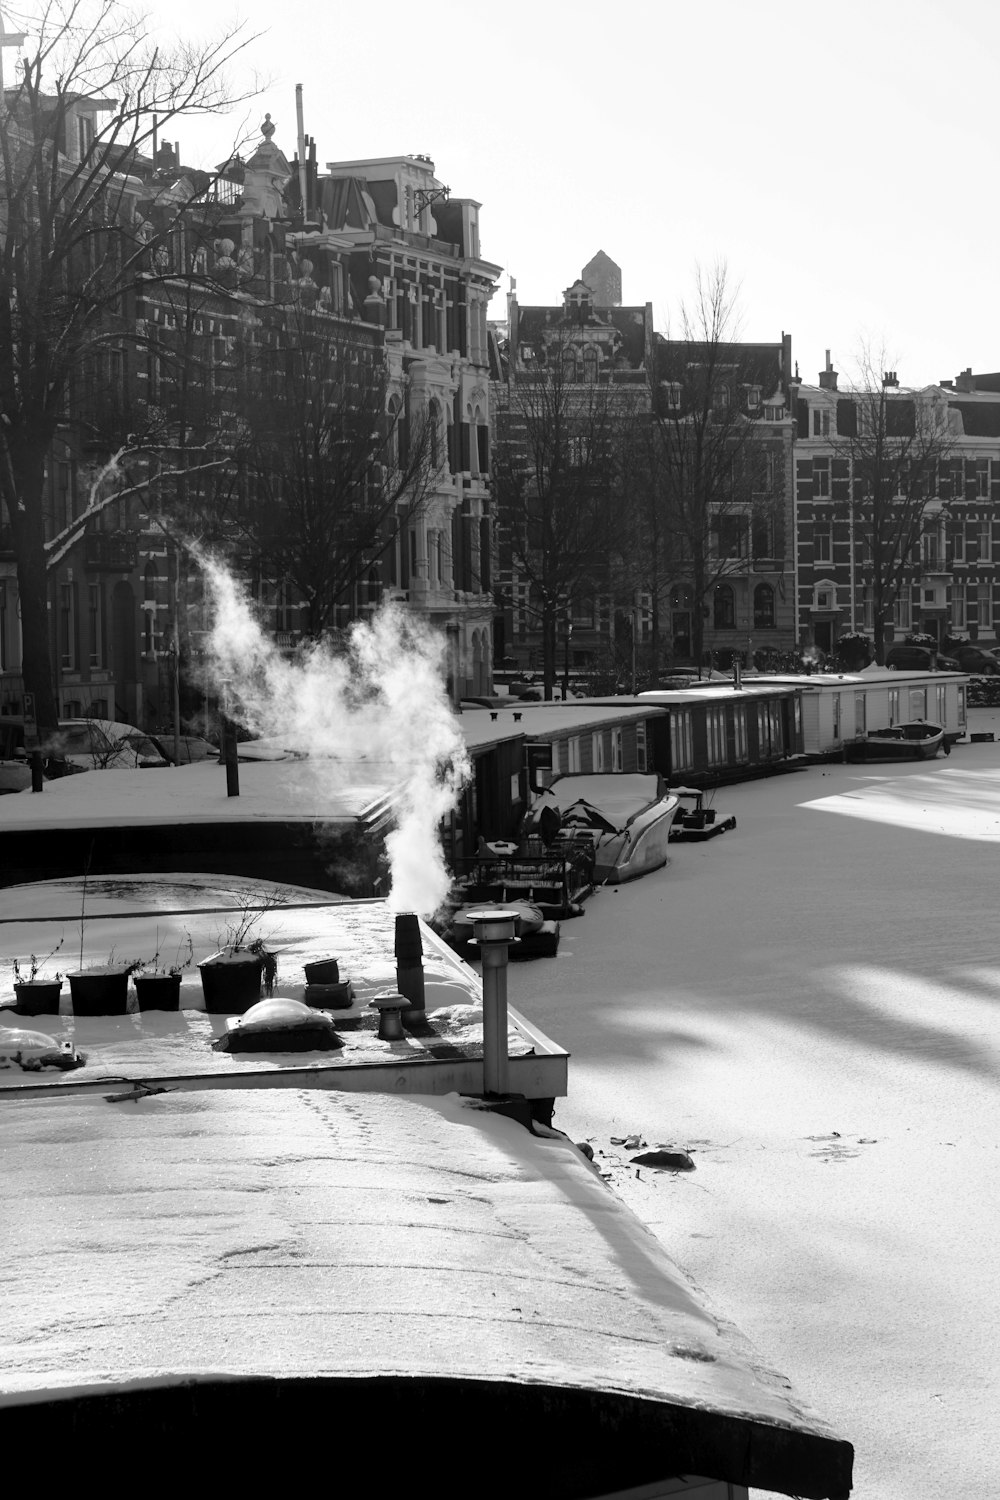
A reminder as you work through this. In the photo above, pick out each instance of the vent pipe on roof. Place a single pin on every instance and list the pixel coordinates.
(494, 932)
(410, 959)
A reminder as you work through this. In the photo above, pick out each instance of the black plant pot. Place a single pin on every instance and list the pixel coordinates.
(38, 997)
(231, 986)
(158, 991)
(323, 971)
(99, 994)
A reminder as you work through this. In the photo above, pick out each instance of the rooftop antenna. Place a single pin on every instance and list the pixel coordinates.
(302, 150)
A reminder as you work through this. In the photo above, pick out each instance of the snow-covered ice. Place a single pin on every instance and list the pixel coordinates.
(810, 1005)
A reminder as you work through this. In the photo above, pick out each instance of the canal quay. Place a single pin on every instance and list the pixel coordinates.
(809, 1006)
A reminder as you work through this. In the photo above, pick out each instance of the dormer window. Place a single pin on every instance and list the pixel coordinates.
(84, 135)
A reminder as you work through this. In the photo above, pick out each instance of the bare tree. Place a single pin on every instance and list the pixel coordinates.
(557, 472)
(78, 235)
(701, 481)
(887, 469)
(331, 463)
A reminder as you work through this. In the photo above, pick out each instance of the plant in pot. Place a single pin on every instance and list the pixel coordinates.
(37, 994)
(158, 983)
(231, 979)
(102, 990)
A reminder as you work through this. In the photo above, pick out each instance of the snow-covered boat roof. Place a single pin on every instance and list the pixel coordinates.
(317, 1263)
(137, 916)
(544, 720)
(303, 790)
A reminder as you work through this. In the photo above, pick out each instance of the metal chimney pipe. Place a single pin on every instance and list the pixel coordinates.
(410, 959)
(494, 931)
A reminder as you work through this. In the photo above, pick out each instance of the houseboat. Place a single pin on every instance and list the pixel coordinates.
(839, 708)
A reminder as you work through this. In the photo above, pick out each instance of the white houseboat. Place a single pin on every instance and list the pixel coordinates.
(841, 708)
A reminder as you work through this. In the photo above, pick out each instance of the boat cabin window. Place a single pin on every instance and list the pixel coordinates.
(573, 753)
(715, 734)
(860, 713)
(597, 752)
(940, 702)
(640, 748)
(617, 751)
(918, 703)
(961, 708)
(893, 706)
(741, 743)
(836, 715)
(681, 741)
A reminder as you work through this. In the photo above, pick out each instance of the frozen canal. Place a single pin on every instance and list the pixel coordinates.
(811, 1004)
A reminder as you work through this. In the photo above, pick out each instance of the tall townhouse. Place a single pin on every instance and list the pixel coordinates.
(595, 358)
(944, 529)
(417, 273)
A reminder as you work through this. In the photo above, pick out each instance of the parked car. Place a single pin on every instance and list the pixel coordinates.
(909, 658)
(972, 658)
(81, 745)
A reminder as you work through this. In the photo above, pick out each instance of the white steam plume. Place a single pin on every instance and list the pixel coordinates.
(379, 713)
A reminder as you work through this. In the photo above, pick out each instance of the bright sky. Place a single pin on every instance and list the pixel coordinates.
(834, 156)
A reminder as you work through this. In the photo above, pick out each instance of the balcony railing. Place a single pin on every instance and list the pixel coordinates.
(117, 553)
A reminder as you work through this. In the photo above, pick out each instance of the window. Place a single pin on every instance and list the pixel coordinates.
(985, 542)
(715, 734)
(918, 703)
(762, 536)
(958, 611)
(763, 607)
(84, 134)
(753, 397)
(836, 715)
(957, 540)
(96, 610)
(724, 607)
(671, 394)
(730, 536)
(929, 555)
(902, 613)
(640, 747)
(860, 713)
(573, 753)
(597, 751)
(821, 478)
(590, 361)
(569, 366)
(822, 542)
(617, 751)
(821, 423)
(67, 625)
(983, 480)
(984, 598)
(741, 744)
(940, 702)
(681, 741)
(893, 706)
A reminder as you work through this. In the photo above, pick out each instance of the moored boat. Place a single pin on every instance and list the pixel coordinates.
(625, 818)
(913, 740)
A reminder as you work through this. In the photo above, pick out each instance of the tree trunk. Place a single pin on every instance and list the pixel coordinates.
(28, 535)
(549, 642)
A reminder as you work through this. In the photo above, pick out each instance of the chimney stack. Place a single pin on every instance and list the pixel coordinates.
(966, 382)
(410, 959)
(828, 377)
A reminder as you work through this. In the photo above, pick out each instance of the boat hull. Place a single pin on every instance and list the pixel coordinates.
(914, 741)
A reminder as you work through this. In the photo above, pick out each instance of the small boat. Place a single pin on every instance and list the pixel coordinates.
(623, 818)
(695, 821)
(537, 936)
(913, 740)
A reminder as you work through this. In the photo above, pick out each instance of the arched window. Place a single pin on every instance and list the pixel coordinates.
(724, 607)
(569, 366)
(151, 576)
(590, 363)
(763, 607)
